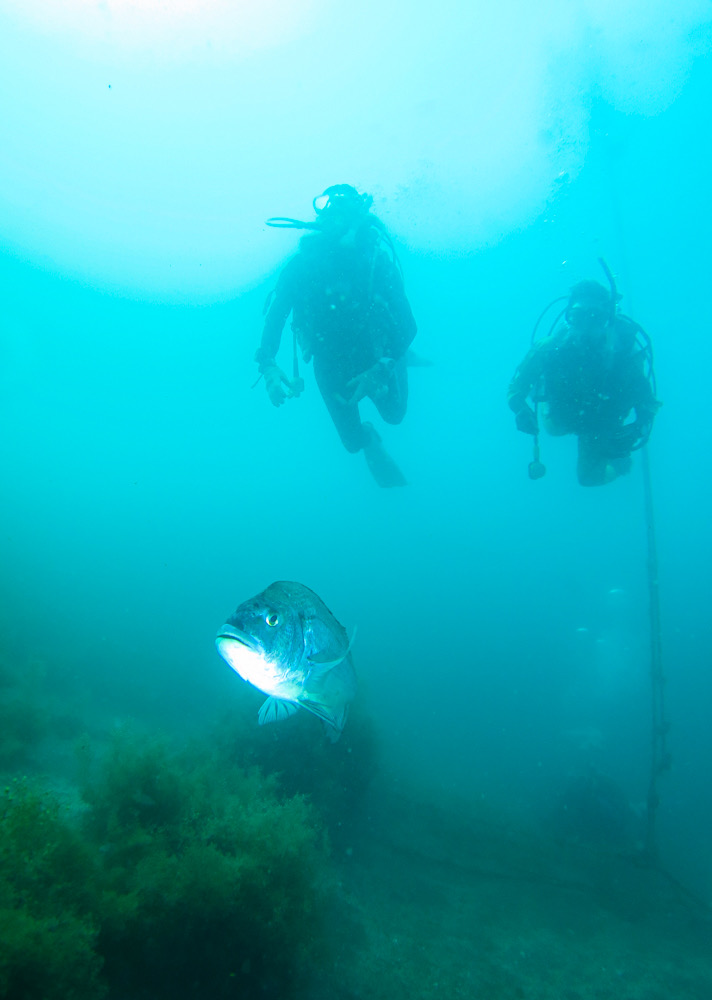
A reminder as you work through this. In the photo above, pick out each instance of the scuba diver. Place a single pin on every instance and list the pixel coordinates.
(350, 314)
(592, 372)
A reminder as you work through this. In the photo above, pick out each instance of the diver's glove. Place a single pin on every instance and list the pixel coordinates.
(373, 382)
(525, 419)
(277, 384)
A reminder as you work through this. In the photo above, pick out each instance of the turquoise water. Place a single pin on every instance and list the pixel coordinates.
(502, 624)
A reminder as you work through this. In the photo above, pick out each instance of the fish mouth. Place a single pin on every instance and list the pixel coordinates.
(236, 635)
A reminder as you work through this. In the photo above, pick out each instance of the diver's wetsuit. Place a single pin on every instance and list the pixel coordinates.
(590, 386)
(349, 310)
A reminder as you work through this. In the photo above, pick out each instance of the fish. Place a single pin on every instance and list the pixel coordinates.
(287, 644)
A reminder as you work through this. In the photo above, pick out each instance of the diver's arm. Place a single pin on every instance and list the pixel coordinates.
(517, 392)
(277, 314)
(520, 388)
(279, 387)
(524, 378)
(645, 406)
(389, 286)
(641, 395)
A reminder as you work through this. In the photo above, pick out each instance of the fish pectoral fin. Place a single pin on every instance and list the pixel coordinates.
(318, 709)
(318, 667)
(320, 664)
(333, 716)
(274, 710)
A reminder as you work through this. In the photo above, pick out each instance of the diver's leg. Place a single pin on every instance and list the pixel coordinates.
(592, 467)
(381, 466)
(345, 416)
(621, 465)
(393, 404)
(552, 422)
(618, 456)
(355, 435)
(347, 421)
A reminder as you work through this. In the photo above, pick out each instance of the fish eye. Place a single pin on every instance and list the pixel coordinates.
(272, 619)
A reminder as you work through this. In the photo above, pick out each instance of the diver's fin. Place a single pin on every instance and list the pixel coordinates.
(383, 469)
(414, 360)
(274, 710)
(320, 665)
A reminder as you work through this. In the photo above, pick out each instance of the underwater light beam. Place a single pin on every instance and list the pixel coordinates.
(172, 30)
(146, 142)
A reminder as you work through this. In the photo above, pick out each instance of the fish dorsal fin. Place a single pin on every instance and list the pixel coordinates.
(320, 664)
(274, 710)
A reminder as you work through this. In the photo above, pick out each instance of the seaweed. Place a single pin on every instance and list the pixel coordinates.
(33, 712)
(181, 875)
(336, 777)
(212, 881)
(48, 896)
(22, 722)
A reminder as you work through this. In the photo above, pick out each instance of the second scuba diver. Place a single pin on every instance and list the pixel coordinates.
(592, 373)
